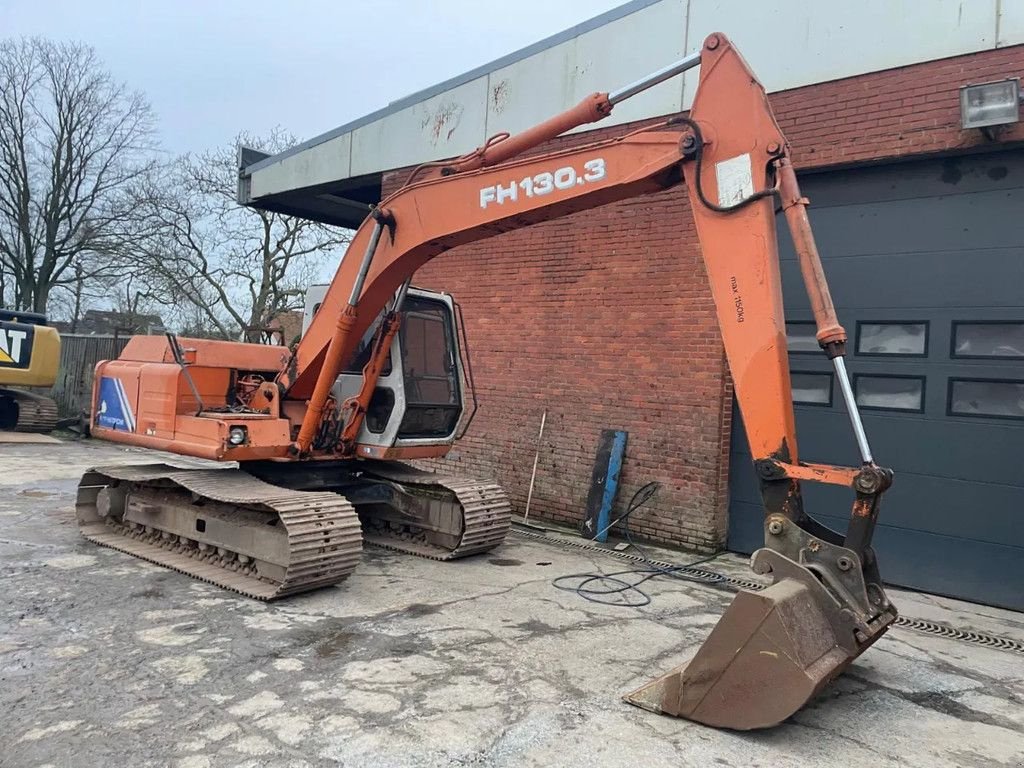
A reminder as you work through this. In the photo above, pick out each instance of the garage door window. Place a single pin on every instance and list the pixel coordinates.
(811, 388)
(988, 340)
(800, 337)
(903, 339)
(890, 393)
(985, 397)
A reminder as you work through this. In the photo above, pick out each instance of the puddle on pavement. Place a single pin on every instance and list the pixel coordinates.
(334, 644)
(416, 610)
(148, 592)
(533, 626)
(504, 561)
(359, 645)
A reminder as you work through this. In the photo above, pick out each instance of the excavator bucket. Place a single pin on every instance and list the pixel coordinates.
(769, 655)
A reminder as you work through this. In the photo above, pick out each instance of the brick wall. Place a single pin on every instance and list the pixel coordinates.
(604, 318)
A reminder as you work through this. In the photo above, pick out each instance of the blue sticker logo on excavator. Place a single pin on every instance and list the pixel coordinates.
(115, 412)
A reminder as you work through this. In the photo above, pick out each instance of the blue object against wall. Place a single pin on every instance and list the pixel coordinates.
(604, 484)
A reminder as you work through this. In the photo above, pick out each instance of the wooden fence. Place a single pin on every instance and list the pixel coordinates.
(78, 357)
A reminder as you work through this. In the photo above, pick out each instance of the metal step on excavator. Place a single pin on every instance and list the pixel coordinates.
(315, 437)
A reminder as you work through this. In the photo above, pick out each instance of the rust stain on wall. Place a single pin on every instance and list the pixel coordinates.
(443, 121)
(499, 96)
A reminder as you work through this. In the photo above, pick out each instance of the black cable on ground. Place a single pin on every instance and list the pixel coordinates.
(612, 588)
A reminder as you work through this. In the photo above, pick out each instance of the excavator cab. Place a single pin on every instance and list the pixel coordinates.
(418, 397)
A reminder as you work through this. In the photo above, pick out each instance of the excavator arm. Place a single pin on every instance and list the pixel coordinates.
(773, 650)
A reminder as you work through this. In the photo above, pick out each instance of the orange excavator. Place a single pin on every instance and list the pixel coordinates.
(311, 439)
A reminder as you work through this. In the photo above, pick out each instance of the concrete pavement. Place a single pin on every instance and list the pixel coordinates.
(106, 660)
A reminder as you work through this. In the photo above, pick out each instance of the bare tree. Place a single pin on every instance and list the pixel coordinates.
(225, 270)
(72, 140)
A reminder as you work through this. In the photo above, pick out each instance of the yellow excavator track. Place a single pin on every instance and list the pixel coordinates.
(23, 411)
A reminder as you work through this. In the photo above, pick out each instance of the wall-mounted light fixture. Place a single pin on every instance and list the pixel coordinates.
(986, 105)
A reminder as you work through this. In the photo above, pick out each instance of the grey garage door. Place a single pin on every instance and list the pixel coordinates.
(926, 265)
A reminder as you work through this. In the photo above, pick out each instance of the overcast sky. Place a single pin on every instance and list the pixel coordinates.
(214, 68)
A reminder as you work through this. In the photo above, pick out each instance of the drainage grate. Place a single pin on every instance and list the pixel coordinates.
(963, 635)
(712, 578)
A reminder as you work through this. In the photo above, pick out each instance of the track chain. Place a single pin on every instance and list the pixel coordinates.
(486, 511)
(36, 413)
(323, 530)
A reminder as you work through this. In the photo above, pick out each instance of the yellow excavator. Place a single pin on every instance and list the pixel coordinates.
(29, 357)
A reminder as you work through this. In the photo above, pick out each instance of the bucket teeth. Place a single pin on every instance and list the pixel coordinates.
(768, 656)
